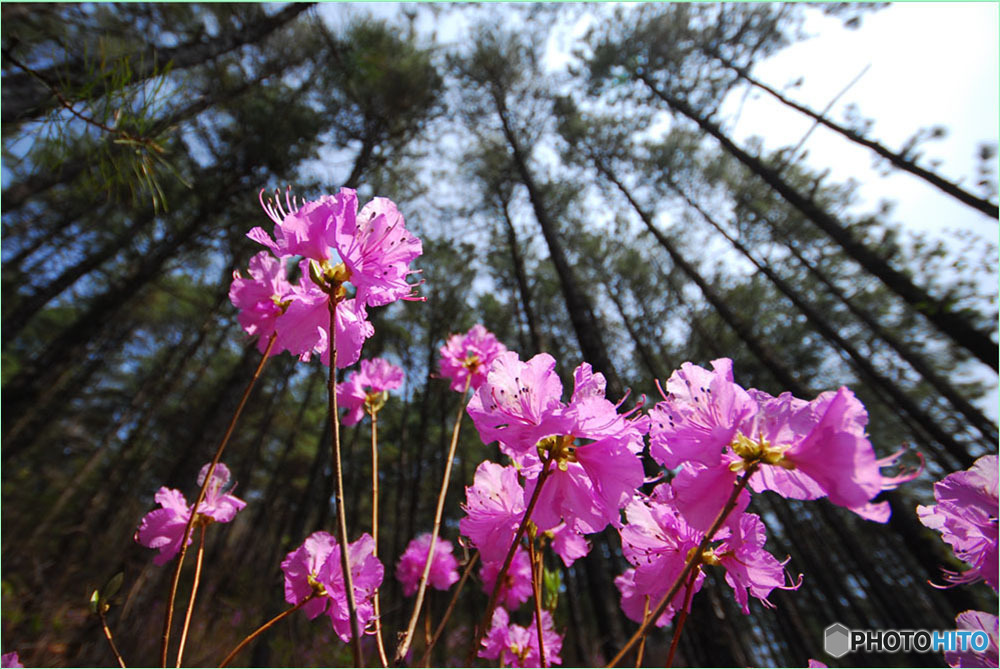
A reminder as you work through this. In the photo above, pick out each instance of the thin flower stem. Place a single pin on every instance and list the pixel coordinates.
(488, 617)
(169, 618)
(404, 645)
(427, 627)
(536, 565)
(681, 618)
(260, 630)
(378, 620)
(345, 565)
(642, 644)
(194, 593)
(690, 566)
(107, 635)
(451, 607)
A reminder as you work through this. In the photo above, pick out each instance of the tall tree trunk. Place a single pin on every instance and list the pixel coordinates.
(860, 362)
(954, 325)
(757, 346)
(522, 280)
(976, 417)
(581, 313)
(896, 159)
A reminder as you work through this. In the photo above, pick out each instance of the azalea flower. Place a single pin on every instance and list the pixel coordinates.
(517, 646)
(800, 450)
(966, 516)
(516, 588)
(297, 314)
(976, 621)
(658, 541)
(592, 450)
(467, 358)
(314, 568)
(372, 249)
(368, 387)
(494, 506)
(10, 660)
(444, 566)
(163, 528)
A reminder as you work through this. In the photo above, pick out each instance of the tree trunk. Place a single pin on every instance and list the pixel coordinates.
(978, 342)
(896, 159)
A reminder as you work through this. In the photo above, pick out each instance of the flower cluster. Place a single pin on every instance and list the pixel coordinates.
(444, 566)
(368, 389)
(313, 570)
(370, 250)
(163, 528)
(798, 449)
(517, 646)
(466, 359)
(966, 517)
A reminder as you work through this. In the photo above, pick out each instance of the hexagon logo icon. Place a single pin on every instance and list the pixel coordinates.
(836, 640)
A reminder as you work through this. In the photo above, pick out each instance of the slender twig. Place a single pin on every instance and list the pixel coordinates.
(691, 565)
(488, 616)
(107, 635)
(169, 618)
(681, 617)
(373, 412)
(642, 644)
(194, 593)
(260, 630)
(345, 565)
(535, 587)
(71, 106)
(427, 628)
(451, 607)
(404, 645)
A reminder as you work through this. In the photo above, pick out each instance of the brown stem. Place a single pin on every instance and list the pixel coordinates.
(194, 593)
(345, 565)
(681, 617)
(427, 628)
(169, 618)
(404, 645)
(451, 607)
(691, 565)
(642, 644)
(378, 620)
(127, 136)
(260, 630)
(107, 635)
(536, 566)
(488, 617)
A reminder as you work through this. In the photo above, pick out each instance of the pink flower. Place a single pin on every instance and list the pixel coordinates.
(804, 450)
(315, 567)
(467, 358)
(657, 541)
(976, 621)
(370, 386)
(10, 660)
(262, 298)
(519, 402)
(494, 506)
(444, 566)
(590, 480)
(163, 528)
(517, 646)
(516, 588)
(374, 246)
(966, 516)
(299, 313)
(748, 566)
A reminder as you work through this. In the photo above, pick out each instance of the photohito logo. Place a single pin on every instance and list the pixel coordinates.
(838, 640)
